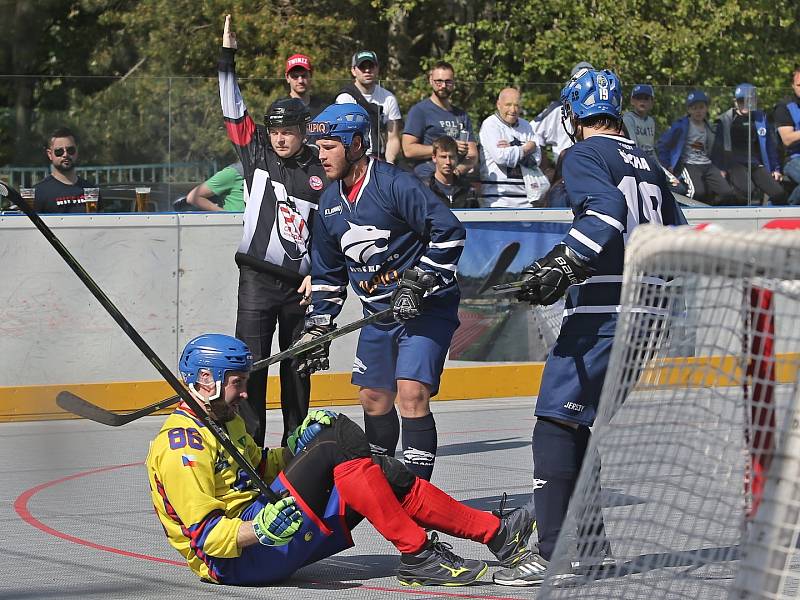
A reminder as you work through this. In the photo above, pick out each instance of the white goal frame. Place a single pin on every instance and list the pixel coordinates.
(730, 540)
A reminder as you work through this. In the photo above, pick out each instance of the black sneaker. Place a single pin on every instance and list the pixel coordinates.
(510, 543)
(436, 564)
(528, 572)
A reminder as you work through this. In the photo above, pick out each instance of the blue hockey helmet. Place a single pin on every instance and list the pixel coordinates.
(744, 90)
(592, 92)
(340, 122)
(216, 352)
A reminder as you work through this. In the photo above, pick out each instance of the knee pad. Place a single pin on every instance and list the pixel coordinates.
(397, 474)
(351, 439)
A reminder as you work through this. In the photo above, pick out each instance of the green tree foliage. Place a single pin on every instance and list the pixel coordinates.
(137, 78)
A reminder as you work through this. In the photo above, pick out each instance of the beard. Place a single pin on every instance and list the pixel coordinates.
(65, 168)
(442, 94)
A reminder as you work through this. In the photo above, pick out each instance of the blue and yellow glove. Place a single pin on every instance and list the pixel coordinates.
(275, 524)
(309, 429)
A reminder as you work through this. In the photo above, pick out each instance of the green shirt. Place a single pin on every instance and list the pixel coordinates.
(228, 185)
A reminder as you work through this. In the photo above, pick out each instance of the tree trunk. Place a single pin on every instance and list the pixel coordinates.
(23, 59)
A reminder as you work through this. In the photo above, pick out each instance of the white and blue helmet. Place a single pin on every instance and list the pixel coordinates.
(340, 122)
(592, 92)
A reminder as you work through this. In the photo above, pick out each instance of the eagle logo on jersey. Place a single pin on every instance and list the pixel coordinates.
(362, 242)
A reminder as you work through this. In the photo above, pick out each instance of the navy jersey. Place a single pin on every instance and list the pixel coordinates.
(613, 186)
(395, 223)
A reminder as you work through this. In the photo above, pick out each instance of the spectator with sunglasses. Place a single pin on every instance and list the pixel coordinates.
(437, 116)
(62, 190)
(299, 73)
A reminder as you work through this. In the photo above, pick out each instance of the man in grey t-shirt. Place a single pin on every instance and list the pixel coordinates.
(685, 151)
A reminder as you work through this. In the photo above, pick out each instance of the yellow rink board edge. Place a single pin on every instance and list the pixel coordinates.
(37, 402)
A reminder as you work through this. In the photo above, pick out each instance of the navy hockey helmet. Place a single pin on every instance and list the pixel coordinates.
(341, 122)
(592, 92)
(216, 352)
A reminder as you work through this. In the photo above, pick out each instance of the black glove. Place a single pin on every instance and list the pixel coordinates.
(548, 278)
(407, 297)
(315, 359)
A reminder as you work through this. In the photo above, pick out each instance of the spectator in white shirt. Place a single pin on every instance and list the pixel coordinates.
(380, 103)
(509, 151)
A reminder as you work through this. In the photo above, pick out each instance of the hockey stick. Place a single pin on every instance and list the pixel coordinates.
(506, 257)
(83, 408)
(508, 288)
(137, 339)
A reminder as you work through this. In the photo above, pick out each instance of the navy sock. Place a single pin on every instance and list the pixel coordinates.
(557, 453)
(383, 432)
(419, 445)
(591, 528)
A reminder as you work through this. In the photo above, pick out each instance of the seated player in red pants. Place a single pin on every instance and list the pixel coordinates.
(215, 517)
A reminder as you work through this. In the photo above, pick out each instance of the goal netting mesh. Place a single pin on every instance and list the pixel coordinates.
(694, 463)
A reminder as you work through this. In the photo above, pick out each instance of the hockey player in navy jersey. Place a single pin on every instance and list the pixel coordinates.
(613, 186)
(398, 245)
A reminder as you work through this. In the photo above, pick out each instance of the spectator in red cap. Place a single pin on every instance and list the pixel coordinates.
(298, 75)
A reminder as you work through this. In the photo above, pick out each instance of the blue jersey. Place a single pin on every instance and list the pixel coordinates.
(613, 186)
(395, 223)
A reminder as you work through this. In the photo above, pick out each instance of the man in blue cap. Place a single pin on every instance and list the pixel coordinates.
(685, 151)
(639, 124)
(744, 148)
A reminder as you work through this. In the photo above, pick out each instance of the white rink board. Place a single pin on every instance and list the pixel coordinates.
(173, 277)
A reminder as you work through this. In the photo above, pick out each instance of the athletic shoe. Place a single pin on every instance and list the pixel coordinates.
(510, 543)
(528, 572)
(591, 563)
(436, 564)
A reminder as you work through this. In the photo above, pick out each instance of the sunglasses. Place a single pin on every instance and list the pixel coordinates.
(71, 150)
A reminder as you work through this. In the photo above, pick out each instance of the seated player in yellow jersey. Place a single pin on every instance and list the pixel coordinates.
(228, 533)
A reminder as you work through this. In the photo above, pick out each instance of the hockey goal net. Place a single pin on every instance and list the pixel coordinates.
(698, 433)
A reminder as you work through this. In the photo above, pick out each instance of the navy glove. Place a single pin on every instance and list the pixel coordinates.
(407, 297)
(547, 279)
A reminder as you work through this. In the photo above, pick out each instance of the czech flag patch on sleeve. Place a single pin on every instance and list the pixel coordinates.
(189, 460)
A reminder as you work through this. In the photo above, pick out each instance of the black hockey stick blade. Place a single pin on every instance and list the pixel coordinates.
(83, 408)
(506, 257)
(217, 430)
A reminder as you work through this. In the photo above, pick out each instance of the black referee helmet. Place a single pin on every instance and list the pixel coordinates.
(287, 112)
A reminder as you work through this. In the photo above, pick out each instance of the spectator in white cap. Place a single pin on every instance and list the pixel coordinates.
(380, 103)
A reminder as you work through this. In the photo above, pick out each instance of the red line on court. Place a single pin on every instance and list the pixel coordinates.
(21, 507)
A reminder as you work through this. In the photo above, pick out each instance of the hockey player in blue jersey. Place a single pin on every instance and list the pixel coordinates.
(398, 245)
(613, 186)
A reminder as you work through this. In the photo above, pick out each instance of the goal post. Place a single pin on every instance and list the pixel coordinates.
(698, 430)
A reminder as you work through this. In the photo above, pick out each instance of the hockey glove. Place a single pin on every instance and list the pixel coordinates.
(315, 359)
(407, 297)
(549, 277)
(309, 429)
(275, 524)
